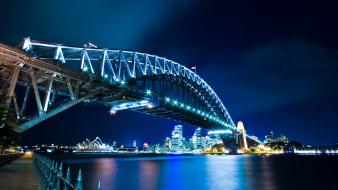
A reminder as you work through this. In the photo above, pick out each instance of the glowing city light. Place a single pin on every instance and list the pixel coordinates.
(167, 99)
(85, 69)
(123, 82)
(150, 106)
(220, 132)
(112, 112)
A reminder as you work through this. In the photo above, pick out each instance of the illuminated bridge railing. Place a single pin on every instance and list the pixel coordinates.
(52, 176)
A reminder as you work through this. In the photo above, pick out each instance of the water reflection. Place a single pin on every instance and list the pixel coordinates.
(148, 175)
(104, 170)
(207, 172)
(267, 176)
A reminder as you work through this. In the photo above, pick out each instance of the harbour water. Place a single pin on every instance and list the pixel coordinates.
(208, 172)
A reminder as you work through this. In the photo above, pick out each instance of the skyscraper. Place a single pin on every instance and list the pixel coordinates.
(134, 143)
(197, 139)
(167, 143)
(177, 138)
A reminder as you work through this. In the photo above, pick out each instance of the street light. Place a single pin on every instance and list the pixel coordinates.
(112, 112)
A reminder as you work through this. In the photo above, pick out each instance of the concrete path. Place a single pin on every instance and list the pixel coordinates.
(19, 174)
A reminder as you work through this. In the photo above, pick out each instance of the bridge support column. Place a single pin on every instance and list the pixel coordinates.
(16, 107)
(47, 95)
(9, 95)
(12, 84)
(24, 103)
(71, 92)
(36, 93)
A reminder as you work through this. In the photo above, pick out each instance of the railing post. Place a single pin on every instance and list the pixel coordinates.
(78, 185)
(55, 174)
(67, 179)
(50, 175)
(99, 186)
(59, 175)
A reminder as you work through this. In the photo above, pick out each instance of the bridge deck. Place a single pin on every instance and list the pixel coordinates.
(19, 174)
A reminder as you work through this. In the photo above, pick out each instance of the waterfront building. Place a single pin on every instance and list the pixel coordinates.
(167, 143)
(269, 137)
(145, 146)
(211, 140)
(197, 139)
(177, 139)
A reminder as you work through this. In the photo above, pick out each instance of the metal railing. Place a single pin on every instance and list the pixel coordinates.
(52, 177)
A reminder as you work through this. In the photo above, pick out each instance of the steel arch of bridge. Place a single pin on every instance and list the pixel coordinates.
(116, 66)
(85, 73)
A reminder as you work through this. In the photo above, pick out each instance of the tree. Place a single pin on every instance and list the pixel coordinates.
(8, 126)
(295, 144)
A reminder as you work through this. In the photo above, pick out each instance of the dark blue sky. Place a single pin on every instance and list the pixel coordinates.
(273, 64)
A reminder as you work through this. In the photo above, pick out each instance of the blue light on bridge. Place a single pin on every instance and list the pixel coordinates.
(85, 69)
(194, 110)
(148, 92)
(123, 82)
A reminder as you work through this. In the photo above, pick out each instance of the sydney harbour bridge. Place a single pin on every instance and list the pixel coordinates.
(62, 76)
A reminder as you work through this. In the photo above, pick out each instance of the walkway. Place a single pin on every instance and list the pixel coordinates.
(19, 174)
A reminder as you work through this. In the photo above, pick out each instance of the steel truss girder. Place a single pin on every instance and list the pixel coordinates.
(117, 65)
(123, 65)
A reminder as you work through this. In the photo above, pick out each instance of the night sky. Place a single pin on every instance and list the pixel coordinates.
(273, 64)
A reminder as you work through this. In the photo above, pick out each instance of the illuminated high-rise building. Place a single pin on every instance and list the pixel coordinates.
(197, 139)
(134, 143)
(177, 138)
(167, 143)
